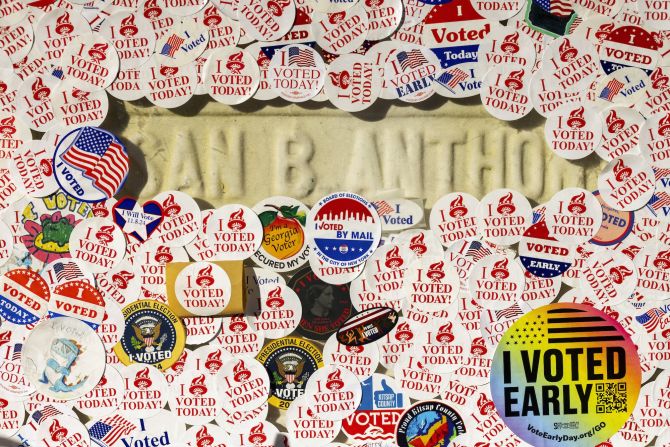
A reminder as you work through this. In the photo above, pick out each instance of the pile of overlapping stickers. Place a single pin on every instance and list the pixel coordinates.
(492, 323)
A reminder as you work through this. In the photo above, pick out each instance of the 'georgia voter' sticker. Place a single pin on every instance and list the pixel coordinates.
(565, 371)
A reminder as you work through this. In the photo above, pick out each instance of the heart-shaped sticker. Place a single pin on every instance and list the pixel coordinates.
(139, 221)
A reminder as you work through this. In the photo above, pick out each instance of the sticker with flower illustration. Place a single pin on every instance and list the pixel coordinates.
(48, 222)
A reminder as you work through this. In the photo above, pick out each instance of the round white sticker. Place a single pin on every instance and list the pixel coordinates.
(296, 72)
(203, 288)
(231, 75)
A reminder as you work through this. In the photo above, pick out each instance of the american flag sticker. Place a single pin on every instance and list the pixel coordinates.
(91, 164)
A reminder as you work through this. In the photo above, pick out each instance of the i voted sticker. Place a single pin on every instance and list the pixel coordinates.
(333, 393)
(621, 132)
(503, 216)
(496, 282)
(243, 383)
(132, 35)
(573, 130)
(266, 21)
(63, 358)
(231, 75)
(166, 84)
(505, 92)
(627, 183)
(353, 83)
(341, 32)
(193, 397)
(182, 43)
(296, 73)
(146, 391)
(235, 232)
(573, 216)
(542, 254)
(24, 296)
(453, 218)
(203, 288)
(98, 243)
(91, 61)
(410, 72)
(91, 164)
(78, 299)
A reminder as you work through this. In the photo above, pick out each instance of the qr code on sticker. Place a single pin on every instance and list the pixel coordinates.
(611, 397)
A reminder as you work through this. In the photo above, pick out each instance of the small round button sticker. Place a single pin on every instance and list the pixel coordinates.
(91, 61)
(266, 21)
(167, 85)
(182, 44)
(153, 335)
(627, 183)
(428, 416)
(333, 393)
(91, 164)
(63, 358)
(203, 288)
(503, 216)
(341, 32)
(573, 215)
(98, 243)
(344, 229)
(655, 141)
(181, 218)
(231, 75)
(353, 83)
(296, 73)
(571, 63)
(496, 282)
(505, 92)
(573, 131)
(243, 384)
(541, 254)
(584, 356)
(146, 391)
(235, 232)
(410, 72)
(621, 132)
(24, 296)
(193, 397)
(132, 35)
(453, 218)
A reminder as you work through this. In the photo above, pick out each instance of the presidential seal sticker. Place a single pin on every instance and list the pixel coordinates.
(344, 229)
(63, 358)
(24, 296)
(153, 335)
(429, 423)
(290, 362)
(565, 372)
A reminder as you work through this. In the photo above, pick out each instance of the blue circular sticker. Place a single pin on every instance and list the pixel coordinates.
(344, 229)
(541, 254)
(91, 164)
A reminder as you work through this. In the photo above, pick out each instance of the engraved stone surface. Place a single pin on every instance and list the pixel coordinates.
(221, 154)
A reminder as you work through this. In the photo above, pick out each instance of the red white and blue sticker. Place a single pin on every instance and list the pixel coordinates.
(541, 254)
(91, 164)
(139, 221)
(24, 296)
(344, 229)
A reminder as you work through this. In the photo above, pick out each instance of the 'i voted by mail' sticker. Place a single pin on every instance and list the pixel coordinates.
(343, 229)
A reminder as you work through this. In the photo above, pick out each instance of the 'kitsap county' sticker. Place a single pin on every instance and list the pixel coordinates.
(153, 335)
(566, 372)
